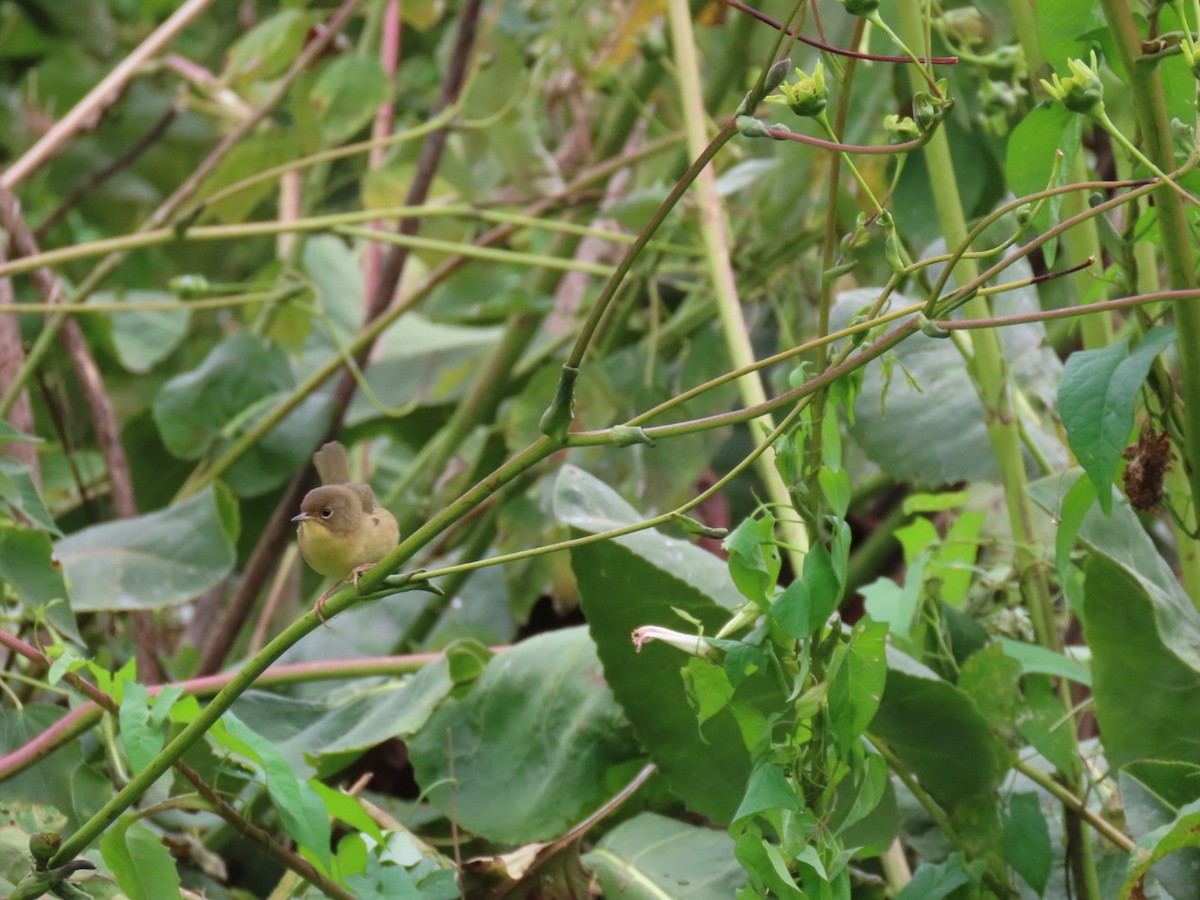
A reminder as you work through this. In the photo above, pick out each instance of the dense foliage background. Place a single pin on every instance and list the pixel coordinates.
(795, 443)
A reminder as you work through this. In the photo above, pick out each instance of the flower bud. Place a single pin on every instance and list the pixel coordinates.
(807, 97)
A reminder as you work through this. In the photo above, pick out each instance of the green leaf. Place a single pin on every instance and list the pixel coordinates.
(144, 338)
(939, 436)
(143, 867)
(767, 789)
(893, 604)
(142, 739)
(64, 780)
(991, 679)
(869, 791)
(1096, 399)
(753, 558)
(1121, 538)
(193, 409)
(337, 729)
(9, 434)
(1153, 794)
(299, 806)
(157, 560)
(1128, 655)
(934, 882)
(1060, 25)
(1040, 722)
(650, 857)
(835, 486)
(27, 563)
(708, 687)
(1027, 841)
(938, 732)
(1030, 159)
(1151, 848)
(551, 730)
(20, 494)
(267, 49)
(346, 95)
(1035, 658)
(856, 689)
(808, 602)
(642, 579)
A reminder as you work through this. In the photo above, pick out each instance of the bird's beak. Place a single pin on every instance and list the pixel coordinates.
(301, 517)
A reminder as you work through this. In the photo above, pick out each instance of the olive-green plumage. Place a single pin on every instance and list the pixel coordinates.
(342, 531)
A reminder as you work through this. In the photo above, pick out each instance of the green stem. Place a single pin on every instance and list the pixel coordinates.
(713, 232)
(1150, 106)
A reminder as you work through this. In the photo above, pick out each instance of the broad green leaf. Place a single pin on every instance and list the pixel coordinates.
(642, 579)
(8, 434)
(314, 734)
(346, 95)
(1060, 25)
(894, 604)
(926, 503)
(939, 435)
(422, 363)
(650, 857)
(708, 686)
(1096, 399)
(1121, 538)
(529, 746)
(1027, 841)
(1041, 723)
(754, 558)
(1150, 849)
(767, 789)
(299, 806)
(193, 410)
(991, 679)
(869, 790)
(283, 449)
(934, 882)
(808, 602)
(142, 739)
(144, 338)
(1152, 795)
(20, 495)
(1127, 656)
(64, 780)
(765, 865)
(347, 808)
(160, 559)
(239, 381)
(143, 866)
(250, 156)
(954, 562)
(27, 563)
(938, 732)
(857, 687)
(1031, 155)
(1035, 658)
(267, 49)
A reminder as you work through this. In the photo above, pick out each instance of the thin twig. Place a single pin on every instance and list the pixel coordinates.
(121, 161)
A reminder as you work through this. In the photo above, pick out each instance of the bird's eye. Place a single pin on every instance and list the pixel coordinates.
(327, 512)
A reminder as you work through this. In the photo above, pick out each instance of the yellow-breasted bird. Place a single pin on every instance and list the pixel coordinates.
(342, 530)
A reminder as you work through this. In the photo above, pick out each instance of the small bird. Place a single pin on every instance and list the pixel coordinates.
(342, 531)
